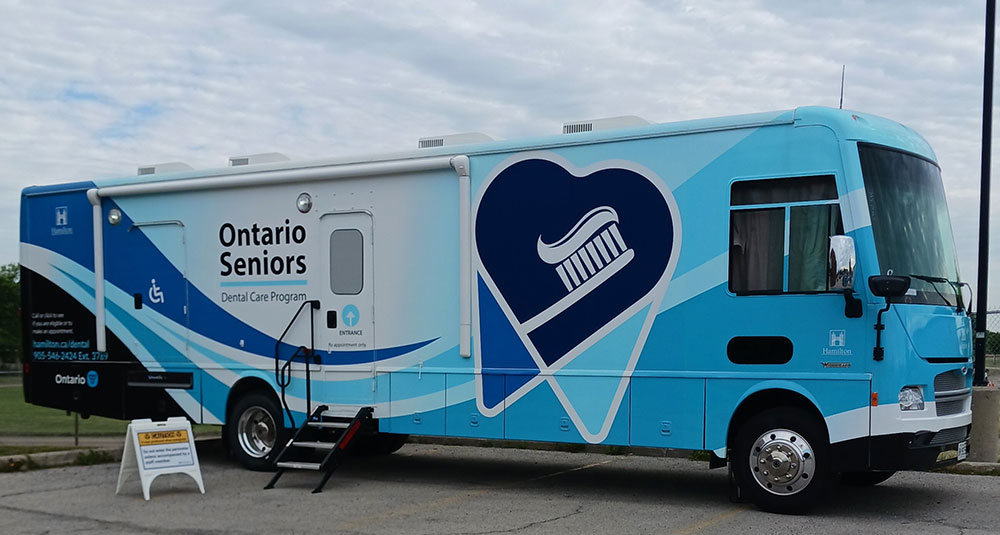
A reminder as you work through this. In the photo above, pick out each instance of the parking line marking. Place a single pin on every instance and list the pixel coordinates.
(710, 521)
(561, 472)
(457, 497)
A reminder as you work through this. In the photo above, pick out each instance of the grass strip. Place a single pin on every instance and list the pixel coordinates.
(23, 419)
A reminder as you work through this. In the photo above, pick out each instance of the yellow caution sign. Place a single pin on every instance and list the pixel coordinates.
(158, 438)
(154, 448)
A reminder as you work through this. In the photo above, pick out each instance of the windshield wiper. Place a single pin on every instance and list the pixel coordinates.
(934, 282)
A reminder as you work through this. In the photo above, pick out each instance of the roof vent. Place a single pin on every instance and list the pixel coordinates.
(452, 139)
(254, 159)
(169, 167)
(608, 123)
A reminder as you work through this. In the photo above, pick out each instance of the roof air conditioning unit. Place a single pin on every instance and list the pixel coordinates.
(607, 123)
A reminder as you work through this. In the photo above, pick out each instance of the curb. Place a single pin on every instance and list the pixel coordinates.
(82, 456)
(50, 459)
(974, 468)
(69, 457)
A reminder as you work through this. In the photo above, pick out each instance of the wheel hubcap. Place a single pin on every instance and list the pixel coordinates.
(782, 462)
(256, 432)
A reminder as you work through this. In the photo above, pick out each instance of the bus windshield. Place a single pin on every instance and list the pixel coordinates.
(910, 223)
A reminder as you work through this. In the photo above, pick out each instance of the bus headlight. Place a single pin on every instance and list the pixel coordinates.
(911, 398)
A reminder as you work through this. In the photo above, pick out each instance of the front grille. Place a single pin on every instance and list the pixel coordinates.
(950, 391)
(951, 406)
(949, 381)
(950, 436)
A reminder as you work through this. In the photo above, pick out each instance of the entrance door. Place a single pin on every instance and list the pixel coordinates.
(346, 323)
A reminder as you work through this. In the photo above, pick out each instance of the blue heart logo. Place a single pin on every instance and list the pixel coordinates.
(567, 257)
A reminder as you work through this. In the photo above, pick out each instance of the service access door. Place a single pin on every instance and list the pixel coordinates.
(157, 281)
(346, 320)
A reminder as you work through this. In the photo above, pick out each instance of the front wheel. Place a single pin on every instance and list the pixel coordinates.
(253, 429)
(781, 460)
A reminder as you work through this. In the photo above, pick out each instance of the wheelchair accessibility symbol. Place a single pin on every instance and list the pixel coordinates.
(155, 294)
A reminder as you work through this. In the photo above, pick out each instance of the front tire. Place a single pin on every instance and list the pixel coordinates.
(254, 429)
(781, 460)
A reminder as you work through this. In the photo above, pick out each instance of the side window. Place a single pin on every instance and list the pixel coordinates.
(346, 262)
(779, 232)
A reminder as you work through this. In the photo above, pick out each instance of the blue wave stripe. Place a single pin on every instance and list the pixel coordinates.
(158, 348)
(326, 357)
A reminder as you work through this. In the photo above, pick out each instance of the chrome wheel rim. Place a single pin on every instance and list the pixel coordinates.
(782, 462)
(256, 432)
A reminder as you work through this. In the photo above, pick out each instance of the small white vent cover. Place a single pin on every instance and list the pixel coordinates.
(607, 123)
(452, 139)
(254, 159)
(169, 167)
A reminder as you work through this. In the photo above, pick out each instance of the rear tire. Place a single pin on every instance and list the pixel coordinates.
(255, 430)
(781, 460)
(864, 479)
(378, 444)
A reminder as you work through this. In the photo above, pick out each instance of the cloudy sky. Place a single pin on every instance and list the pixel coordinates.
(97, 88)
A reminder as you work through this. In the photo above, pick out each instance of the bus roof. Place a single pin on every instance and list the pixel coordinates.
(846, 124)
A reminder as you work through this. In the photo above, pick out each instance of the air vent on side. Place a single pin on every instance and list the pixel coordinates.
(608, 123)
(427, 143)
(169, 167)
(573, 128)
(254, 159)
(452, 139)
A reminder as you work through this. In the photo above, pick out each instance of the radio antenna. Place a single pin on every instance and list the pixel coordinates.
(843, 70)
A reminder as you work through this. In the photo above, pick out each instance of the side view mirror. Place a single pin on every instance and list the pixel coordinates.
(889, 285)
(886, 286)
(841, 262)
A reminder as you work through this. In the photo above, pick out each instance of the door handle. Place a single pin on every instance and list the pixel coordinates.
(331, 319)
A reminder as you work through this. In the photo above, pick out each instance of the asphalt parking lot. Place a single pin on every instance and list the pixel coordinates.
(471, 490)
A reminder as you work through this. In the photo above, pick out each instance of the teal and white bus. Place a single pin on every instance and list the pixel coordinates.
(780, 289)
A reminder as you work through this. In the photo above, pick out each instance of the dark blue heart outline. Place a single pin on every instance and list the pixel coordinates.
(652, 294)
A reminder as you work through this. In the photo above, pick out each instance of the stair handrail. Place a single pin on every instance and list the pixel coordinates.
(283, 375)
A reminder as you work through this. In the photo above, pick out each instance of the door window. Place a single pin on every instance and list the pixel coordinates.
(346, 262)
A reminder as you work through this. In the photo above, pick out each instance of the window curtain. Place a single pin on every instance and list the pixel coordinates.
(810, 228)
(756, 254)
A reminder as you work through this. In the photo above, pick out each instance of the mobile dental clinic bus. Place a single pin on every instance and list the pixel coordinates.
(780, 289)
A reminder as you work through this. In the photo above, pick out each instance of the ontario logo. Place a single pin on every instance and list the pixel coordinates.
(572, 265)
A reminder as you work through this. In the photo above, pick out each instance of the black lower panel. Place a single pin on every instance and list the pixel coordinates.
(63, 370)
(901, 451)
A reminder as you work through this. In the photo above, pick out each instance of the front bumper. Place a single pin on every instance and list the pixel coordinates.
(924, 450)
(917, 451)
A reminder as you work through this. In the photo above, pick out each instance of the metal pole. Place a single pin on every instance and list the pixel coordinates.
(984, 199)
(76, 429)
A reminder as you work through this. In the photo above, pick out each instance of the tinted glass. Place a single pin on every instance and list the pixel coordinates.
(784, 190)
(910, 222)
(810, 228)
(756, 250)
(346, 262)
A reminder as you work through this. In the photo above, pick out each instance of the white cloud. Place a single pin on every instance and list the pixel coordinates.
(97, 88)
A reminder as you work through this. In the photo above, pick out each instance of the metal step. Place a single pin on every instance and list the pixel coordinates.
(298, 465)
(333, 425)
(316, 445)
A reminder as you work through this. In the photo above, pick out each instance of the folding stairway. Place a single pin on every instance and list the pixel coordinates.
(319, 432)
